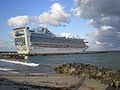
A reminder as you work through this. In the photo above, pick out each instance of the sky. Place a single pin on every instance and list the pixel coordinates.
(92, 20)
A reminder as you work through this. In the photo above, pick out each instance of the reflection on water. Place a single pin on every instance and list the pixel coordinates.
(45, 64)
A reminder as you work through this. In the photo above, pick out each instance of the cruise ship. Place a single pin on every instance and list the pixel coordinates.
(42, 41)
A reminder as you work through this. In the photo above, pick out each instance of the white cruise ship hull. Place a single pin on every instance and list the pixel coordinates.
(29, 42)
(57, 50)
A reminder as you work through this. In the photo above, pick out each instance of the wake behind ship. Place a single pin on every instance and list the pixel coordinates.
(43, 41)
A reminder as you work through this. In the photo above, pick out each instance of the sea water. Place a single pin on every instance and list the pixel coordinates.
(46, 64)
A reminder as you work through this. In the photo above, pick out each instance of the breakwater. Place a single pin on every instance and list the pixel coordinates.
(15, 55)
(106, 76)
(10, 55)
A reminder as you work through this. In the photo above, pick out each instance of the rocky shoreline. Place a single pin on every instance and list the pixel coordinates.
(70, 76)
(105, 76)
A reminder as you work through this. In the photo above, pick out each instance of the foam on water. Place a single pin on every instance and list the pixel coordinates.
(21, 63)
(5, 69)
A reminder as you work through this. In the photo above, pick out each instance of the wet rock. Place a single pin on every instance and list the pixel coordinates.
(106, 76)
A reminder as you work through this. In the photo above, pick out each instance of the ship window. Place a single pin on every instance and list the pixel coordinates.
(19, 33)
(20, 41)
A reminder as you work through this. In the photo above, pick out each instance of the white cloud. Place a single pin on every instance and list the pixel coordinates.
(104, 15)
(76, 11)
(55, 16)
(18, 21)
(67, 35)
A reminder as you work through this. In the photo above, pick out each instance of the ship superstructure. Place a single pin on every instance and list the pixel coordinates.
(43, 41)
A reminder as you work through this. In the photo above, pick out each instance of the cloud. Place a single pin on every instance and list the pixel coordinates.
(6, 45)
(67, 35)
(52, 1)
(56, 16)
(1, 43)
(18, 21)
(104, 15)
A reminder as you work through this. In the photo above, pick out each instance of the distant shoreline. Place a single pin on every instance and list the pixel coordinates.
(79, 52)
(15, 55)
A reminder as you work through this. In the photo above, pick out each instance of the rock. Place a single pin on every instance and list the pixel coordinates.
(107, 76)
(99, 74)
(72, 70)
(117, 83)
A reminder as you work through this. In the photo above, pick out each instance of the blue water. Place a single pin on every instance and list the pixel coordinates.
(45, 64)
